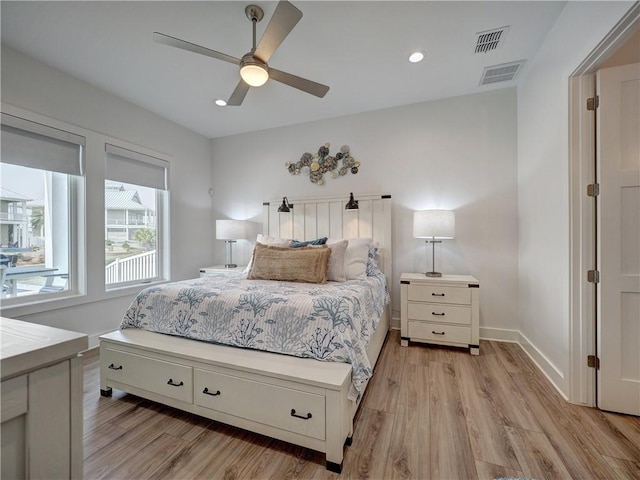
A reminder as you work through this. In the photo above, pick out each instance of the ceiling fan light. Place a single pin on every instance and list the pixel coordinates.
(254, 75)
(416, 57)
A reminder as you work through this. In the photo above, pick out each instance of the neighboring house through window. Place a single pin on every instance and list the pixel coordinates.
(41, 171)
(135, 191)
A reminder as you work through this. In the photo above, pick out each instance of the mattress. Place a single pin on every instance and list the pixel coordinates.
(328, 322)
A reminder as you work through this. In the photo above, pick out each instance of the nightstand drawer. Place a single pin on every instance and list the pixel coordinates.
(439, 294)
(433, 312)
(439, 333)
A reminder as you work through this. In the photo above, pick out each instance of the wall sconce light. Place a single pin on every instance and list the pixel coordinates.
(286, 206)
(434, 224)
(351, 204)
(230, 231)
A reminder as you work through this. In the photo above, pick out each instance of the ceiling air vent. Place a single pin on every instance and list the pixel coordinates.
(500, 73)
(490, 40)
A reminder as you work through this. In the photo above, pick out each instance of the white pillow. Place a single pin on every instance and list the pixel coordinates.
(336, 261)
(356, 256)
(267, 240)
(278, 242)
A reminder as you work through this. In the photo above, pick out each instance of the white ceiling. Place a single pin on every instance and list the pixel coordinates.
(359, 49)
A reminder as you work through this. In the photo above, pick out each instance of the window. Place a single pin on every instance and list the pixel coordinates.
(135, 196)
(41, 171)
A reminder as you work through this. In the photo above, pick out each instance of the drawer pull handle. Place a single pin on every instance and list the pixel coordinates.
(207, 392)
(173, 384)
(293, 414)
(113, 367)
(437, 294)
(438, 314)
(437, 333)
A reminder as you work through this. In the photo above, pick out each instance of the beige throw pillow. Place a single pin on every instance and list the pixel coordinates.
(306, 264)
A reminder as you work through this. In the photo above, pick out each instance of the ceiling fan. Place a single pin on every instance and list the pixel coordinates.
(254, 71)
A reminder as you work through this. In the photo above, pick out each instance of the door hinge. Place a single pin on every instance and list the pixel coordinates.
(593, 276)
(593, 189)
(593, 102)
(593, 362)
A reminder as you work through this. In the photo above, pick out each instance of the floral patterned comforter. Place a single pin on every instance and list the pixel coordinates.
(329, 322)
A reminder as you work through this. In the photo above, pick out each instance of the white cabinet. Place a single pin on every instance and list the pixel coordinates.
(41, 411)
(441, 310)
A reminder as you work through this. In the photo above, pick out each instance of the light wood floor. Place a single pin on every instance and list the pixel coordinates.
(429, 413)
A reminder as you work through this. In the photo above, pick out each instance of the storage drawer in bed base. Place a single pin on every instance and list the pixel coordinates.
(327, 429)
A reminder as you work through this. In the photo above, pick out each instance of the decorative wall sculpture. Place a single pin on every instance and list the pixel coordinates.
(317, 164)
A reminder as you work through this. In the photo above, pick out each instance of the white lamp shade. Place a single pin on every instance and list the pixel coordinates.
(231, 229)
(434, 224)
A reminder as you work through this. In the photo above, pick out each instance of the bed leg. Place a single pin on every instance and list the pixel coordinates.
(348, 442)
(334, 467)
(106, 392)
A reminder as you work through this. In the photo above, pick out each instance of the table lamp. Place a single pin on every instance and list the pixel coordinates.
(230, 231)
(437, 225)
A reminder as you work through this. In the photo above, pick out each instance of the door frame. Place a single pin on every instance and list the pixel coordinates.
(582, 226)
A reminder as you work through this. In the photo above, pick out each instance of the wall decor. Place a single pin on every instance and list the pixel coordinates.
(317, 164)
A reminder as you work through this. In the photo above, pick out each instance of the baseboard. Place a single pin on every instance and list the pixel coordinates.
(548, 369)
(499, 334)
(395, 323)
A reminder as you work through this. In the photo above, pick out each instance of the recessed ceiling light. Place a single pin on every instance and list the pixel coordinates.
(221, 103)
(416, 57)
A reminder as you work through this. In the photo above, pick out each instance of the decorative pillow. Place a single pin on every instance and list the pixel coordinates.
(267, 240)
(336, 261)
(305, 264)
(356, 256)
(279, 242)
(317, 241)
(372, 260)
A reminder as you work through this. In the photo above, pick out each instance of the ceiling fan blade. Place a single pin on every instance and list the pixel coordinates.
(192, 47)
(300, 83)
(284, 18)
(238, 94)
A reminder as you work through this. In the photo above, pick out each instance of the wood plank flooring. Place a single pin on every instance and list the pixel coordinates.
(428, 413)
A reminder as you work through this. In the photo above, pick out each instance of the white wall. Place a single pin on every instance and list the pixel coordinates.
(33, 86)
(543, 181)
(458, 153)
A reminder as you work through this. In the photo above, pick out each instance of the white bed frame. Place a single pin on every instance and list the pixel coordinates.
(299, 400)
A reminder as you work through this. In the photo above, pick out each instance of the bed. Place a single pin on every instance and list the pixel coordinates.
(299, 399)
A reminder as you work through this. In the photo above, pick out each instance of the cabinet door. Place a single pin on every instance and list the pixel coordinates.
(49, 422)
(14, 409)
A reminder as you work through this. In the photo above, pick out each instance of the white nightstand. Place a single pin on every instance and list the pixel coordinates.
(220, 269)
(442, 310)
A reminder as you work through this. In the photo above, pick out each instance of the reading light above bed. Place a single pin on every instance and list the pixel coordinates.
(285, 207)
(230, 231)
(351, 204)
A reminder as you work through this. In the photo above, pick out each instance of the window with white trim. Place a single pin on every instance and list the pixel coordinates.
(41, 174)
(136, 191)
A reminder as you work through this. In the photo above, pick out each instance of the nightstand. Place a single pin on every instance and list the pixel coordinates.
(441, 310)
(220, 269)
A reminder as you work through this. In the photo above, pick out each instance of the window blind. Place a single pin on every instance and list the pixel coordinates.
(127, 166)
(35, 145)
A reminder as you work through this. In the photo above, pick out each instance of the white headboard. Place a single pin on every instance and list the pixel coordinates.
(326, 217)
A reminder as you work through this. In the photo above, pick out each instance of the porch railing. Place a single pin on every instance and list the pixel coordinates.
(128, 269)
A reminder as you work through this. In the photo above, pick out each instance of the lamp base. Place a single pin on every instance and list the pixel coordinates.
(433, 274)
(230, 265)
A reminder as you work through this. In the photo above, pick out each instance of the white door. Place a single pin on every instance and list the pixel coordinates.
(618, 249)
